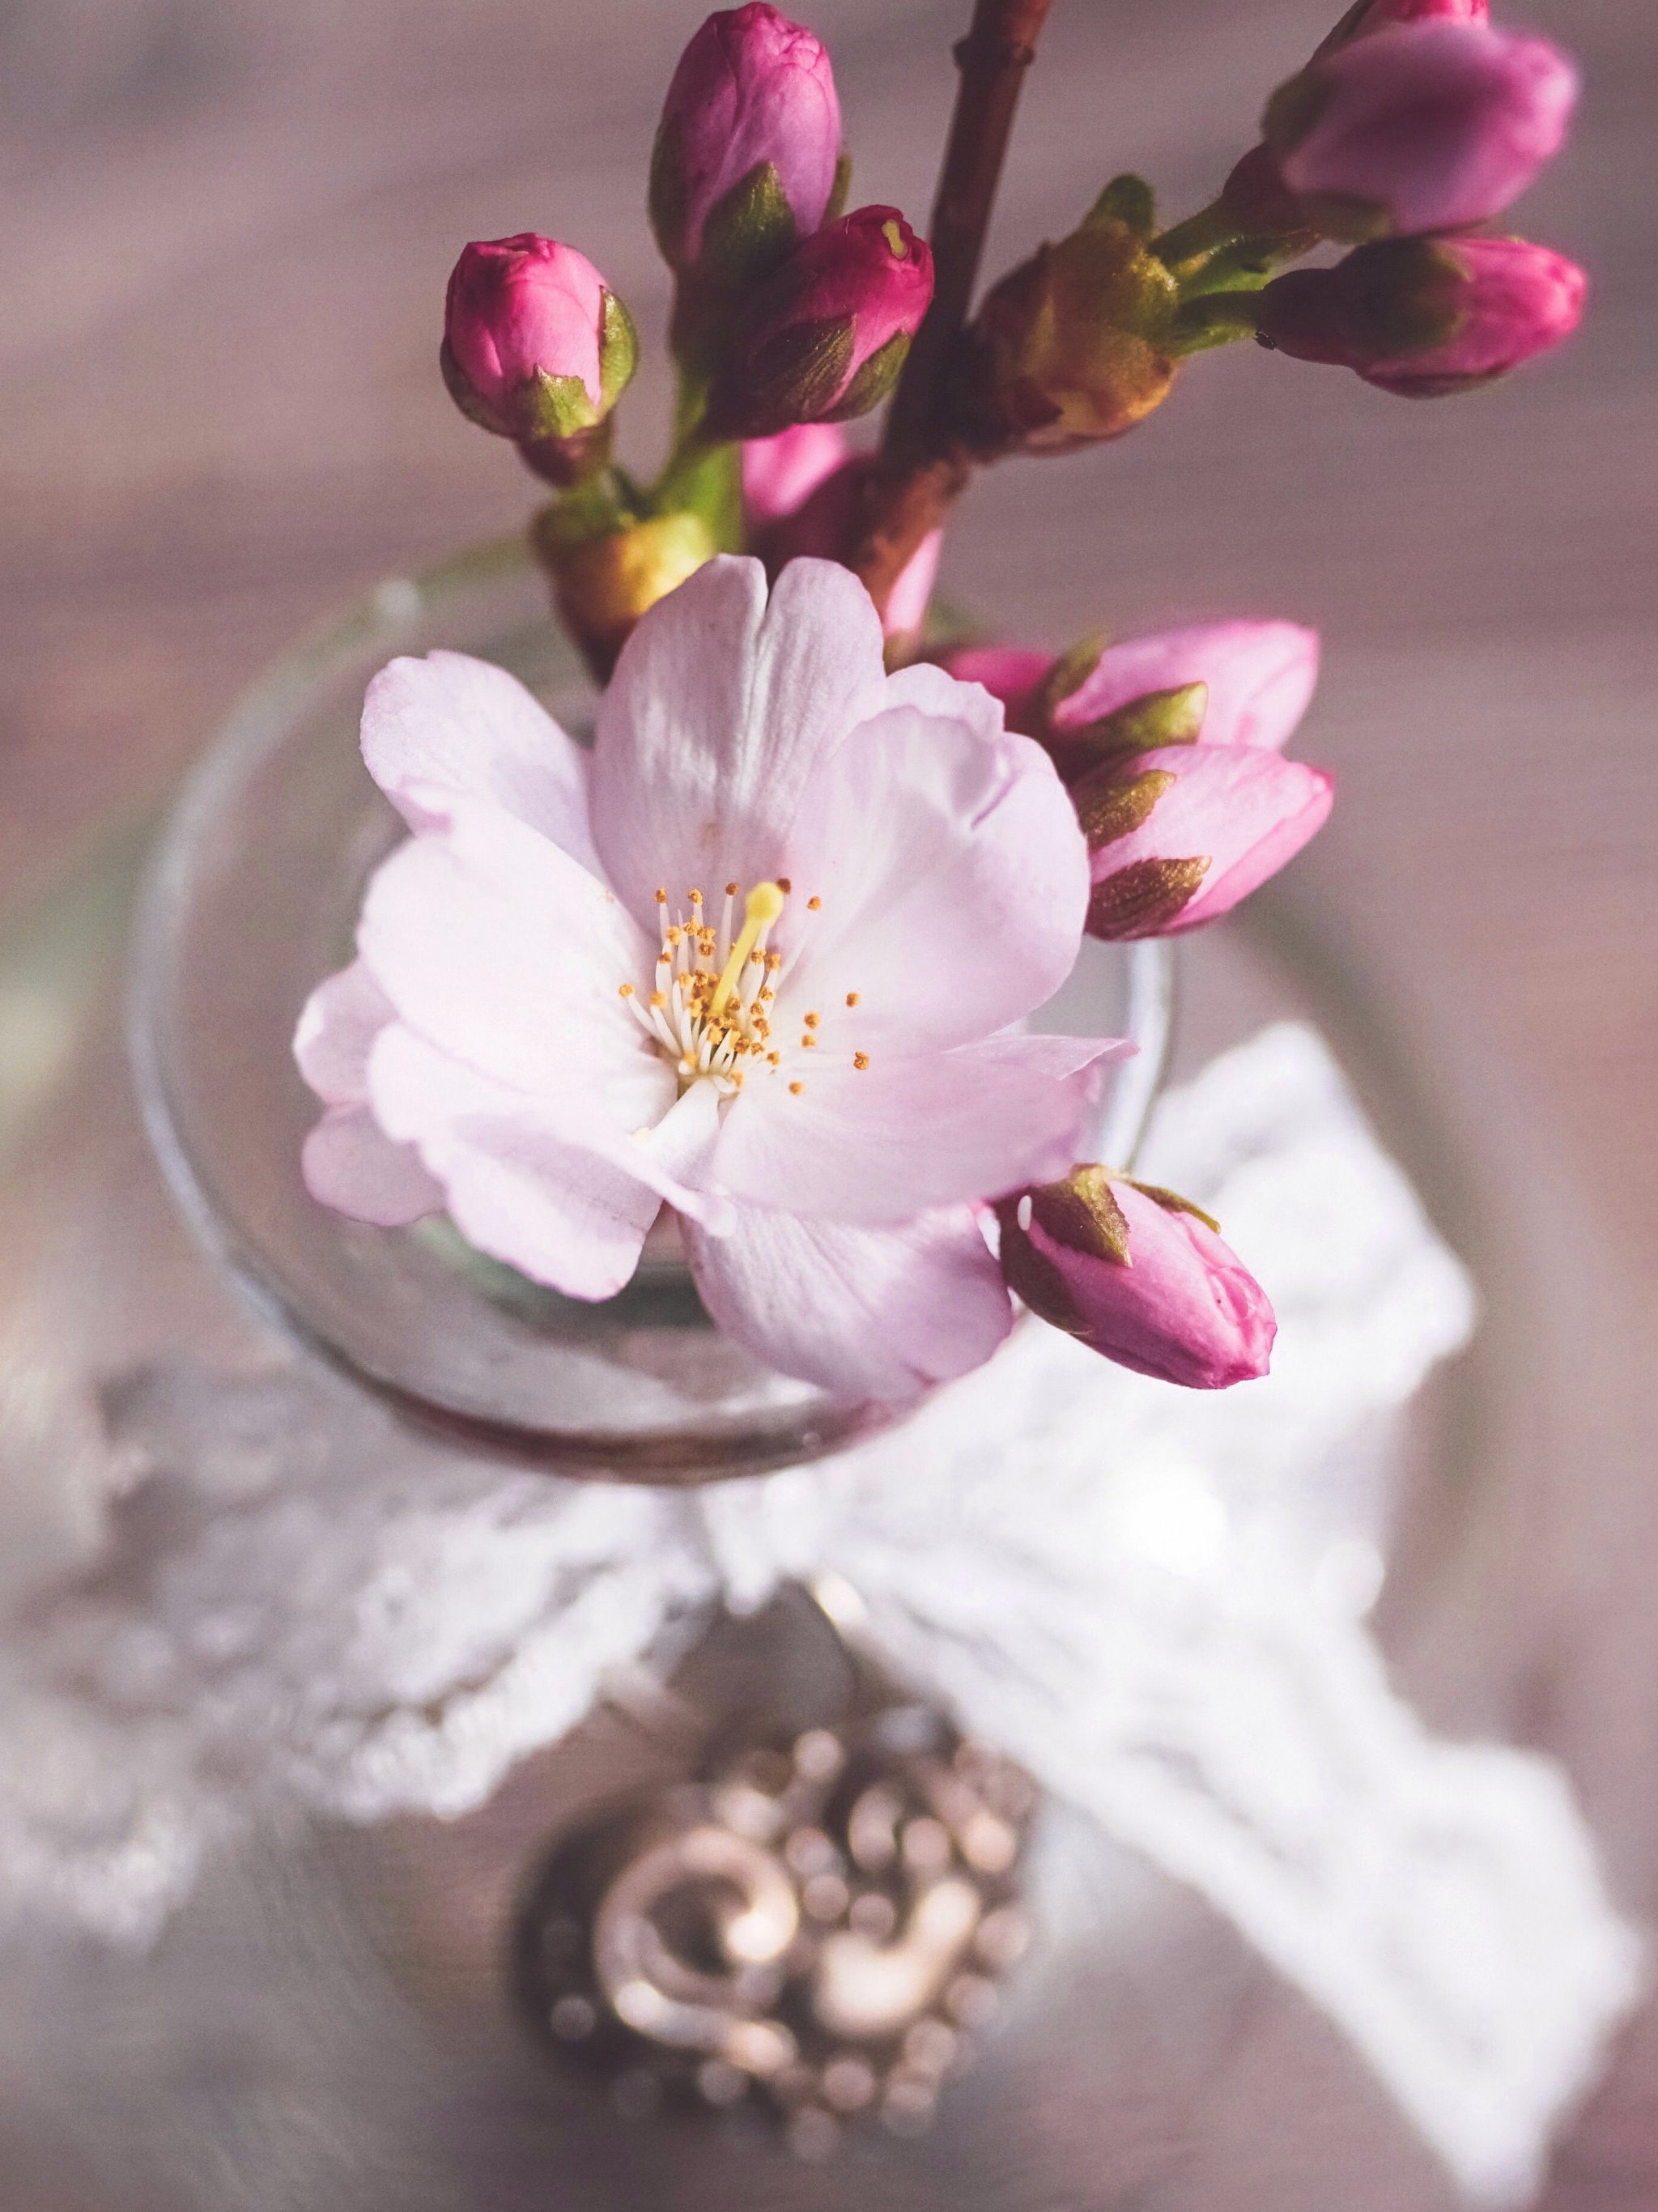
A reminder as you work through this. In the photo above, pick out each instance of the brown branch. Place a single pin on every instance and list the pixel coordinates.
(919, 476)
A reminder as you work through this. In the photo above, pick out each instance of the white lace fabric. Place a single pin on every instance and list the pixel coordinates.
(1153, 1598)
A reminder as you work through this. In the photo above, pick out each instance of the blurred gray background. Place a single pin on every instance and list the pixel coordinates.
(226, 228)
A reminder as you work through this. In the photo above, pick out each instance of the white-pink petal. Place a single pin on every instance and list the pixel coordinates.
(952, 876)
(336, 1030)
(421, 1095)
(508, 954)
(882, 1144)
(351, 1164)
(722, 706)
(470, 728)
(882, 1312)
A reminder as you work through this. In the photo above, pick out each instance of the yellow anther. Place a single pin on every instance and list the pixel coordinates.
(774, 1059)
(661, 895)
(624, 990)
(811, 1020)
(795, 1088)
(852, 998)
(860, 1060)
(658, 998)
(732, 888)
(808, 1041)
(697, 899)
(761, 909)
(814, 905)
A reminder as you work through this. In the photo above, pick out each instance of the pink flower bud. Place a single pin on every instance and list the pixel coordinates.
(1368, 15)
(780, 474)
(749, 145)
(1419, 127)
(1012, 673)
(1218, 684)
(536, 347)
(1177, 837)
(827, 334)
(1139, 1275)
(1426, 317)
(1074, 345)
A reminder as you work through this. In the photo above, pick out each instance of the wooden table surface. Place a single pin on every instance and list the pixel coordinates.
(228, 226)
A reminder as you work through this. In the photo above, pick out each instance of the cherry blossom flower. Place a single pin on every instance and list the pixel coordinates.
(762, 955)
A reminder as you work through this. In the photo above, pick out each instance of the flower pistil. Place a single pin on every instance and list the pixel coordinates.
(715, 988)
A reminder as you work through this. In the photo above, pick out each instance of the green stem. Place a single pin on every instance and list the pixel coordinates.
(1216, 319)
(1199, 236)
(705, 478)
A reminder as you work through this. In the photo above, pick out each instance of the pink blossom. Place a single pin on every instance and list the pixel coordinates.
(1258, 678)
(780, 474)
(522, 311)
(1178, 835)
(1420, 127)
(1139, 1276)
(762, 955)
(753, 91)
(1424, 316)
(825, 337)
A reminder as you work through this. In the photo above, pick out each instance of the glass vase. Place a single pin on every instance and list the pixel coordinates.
(251, 900)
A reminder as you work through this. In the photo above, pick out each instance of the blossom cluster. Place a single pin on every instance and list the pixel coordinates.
(768, 952)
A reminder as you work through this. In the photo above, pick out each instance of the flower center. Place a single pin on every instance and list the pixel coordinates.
(710, 1006)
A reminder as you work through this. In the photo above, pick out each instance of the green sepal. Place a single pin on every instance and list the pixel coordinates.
(1142, 899)
(1082, 1214)
(794, 377)
(618, 350)
(1294, 109)
(555, 407)
(841, 190)
(1068, 674)
(706, 481)
(460, 390)
(666, 196)
(1214, 318)
(1350, 221)
(748, 231)
(1110, 807)
(873, 381)
(1424, 307)
(595, 507)
(1174, 717)
(1126, 203)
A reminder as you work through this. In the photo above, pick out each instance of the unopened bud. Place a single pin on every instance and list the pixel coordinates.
(746, 156)
(1212, 683)
(1139, 1275)
(1178, 835)
(1420, 127)
(780, 474)
(536, 348)
(824, 337)
(1424, 316)
(1368, 15)
(601, 586)
(1073, 346)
